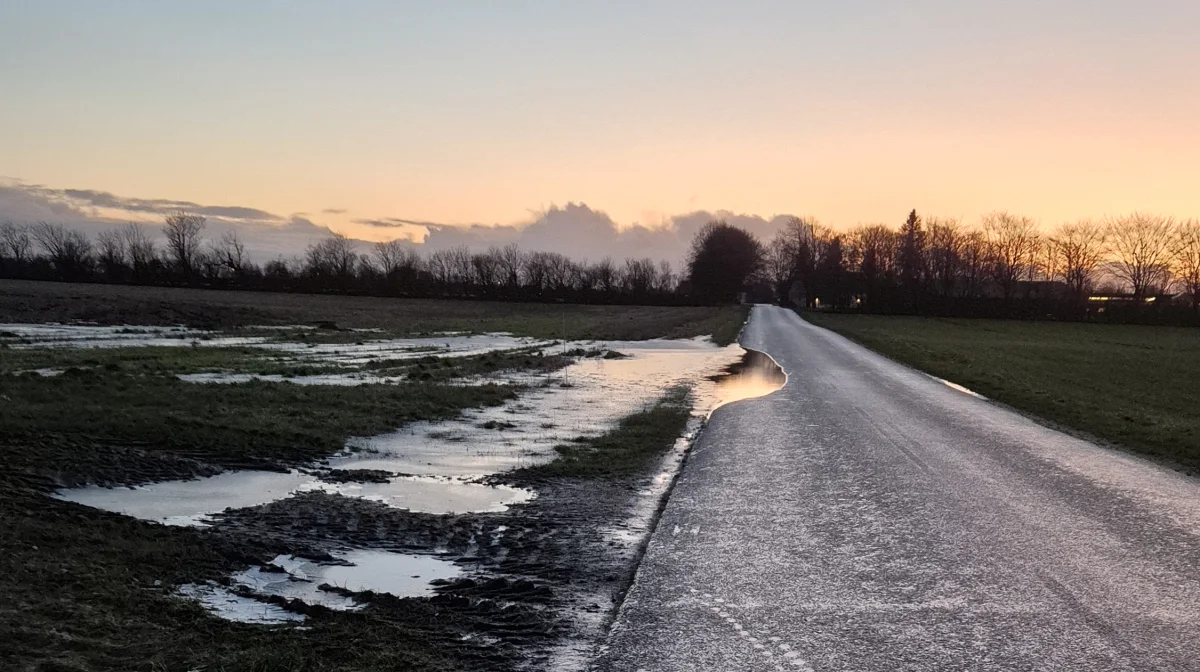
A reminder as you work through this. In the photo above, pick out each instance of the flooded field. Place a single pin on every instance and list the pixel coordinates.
(453, 507)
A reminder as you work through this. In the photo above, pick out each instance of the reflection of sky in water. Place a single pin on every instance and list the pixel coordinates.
(584, 399)
(233, 607)
(399, 574)
(190, 502)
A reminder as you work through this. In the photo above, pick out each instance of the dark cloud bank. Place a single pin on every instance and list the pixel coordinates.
(575, 230)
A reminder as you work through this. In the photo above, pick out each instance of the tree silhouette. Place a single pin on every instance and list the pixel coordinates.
(912, 251)
(183, 240)
(723, 259)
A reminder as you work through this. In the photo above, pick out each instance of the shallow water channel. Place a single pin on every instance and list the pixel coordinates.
(438, 467)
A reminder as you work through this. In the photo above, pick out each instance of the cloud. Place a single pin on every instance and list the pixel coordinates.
(581, 232)
(396, 223)
(162, 206)
(266, 235)
(576, 230)
(334, 211)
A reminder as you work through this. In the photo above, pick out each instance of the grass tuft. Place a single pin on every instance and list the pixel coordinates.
(626, 450)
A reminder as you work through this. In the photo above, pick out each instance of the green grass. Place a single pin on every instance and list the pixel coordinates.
(431, 368)
(81, 589)
(110, 426)
(160, 360)
(628, 449)
(31, 302)
(171, 361)
(1135, 386)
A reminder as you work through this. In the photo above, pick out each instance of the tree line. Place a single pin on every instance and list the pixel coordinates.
(1132, 267)
(180, 255)
(1136, 267)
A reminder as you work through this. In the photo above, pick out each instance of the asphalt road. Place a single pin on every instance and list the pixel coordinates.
(869, 517)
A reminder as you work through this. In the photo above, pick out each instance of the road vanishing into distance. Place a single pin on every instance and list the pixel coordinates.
(870, 517)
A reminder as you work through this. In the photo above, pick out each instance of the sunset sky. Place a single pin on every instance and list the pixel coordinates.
(483, 112)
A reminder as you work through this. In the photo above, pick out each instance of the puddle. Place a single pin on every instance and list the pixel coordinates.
(294, 578)
(454, 345)
(192, 502)
(443, 460)
(756, 375)
(233, 607)
(431, 494)
(341, 379)
(399, 574)
(89, 336)
(585, 399)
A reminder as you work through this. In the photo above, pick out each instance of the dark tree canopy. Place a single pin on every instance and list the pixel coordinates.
(722, 261)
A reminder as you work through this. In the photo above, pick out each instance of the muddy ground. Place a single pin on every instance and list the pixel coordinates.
(89, 590)
(84, 589)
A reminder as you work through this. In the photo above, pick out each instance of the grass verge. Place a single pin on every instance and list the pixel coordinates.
(1137, 386)
(626, 450)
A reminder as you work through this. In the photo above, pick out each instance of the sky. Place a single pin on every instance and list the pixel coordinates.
(383, 119)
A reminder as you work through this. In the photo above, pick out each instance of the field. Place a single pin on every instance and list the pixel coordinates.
(33, 302)
(84, 589)
(1135, 386)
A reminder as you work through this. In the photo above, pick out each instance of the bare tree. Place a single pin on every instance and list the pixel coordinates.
(441, 267)
(666, 281)
(182, 231)
(537, 270)
(110, 252)
(69, 250)
(334, 258)
(779, 263)
(1079, 250)
(229, 252)
(1140, 245)
(15, 243)
(1187, 259)
(1012, 243)
(560, 273)
(875, 248)
(973, 263)
(638, 276)
(398, 262)
(944, 241)
(511, 261)
(462, 271)
(602, 276)
(139, 247)
(486, 268)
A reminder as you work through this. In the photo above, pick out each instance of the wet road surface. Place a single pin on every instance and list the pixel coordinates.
(869, 517)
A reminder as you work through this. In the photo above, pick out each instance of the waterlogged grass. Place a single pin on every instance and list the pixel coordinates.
(113, 427)
(24, 301)
(627, 450)
(431, 368)
(159, 360)
(82, 589)
(1136, 386)
(172, 361)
